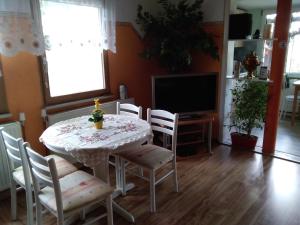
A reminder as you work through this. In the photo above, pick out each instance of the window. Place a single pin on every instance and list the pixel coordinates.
(292, 63)
(74, 62)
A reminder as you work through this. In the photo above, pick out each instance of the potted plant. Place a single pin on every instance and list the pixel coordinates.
(249, 109)
(174, 34)
(97, 115)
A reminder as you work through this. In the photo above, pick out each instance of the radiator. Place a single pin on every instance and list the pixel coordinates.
(15, 130)
(108, 107)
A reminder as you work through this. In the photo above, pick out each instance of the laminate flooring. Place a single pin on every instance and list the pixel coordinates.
(231, 187)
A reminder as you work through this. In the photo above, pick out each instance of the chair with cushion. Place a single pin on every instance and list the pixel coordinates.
(133, 111)
(20, 175)
(68, 195)
(151, 157)
(288, 100)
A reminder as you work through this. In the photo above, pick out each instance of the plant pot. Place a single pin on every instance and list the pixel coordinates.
(243, 141)
(99, 125)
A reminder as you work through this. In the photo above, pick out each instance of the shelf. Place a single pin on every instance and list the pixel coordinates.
(192, 121)
(268, 81)
(5, 116)
(181, 133)
(190, 143)
(245, 40)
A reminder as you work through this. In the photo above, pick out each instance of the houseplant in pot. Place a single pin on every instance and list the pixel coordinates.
(97, 115)
(248, 112)
(174, 34)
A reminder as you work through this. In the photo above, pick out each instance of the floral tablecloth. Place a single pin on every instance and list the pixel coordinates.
(88, 145)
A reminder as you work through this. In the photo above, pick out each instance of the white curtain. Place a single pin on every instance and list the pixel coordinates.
(59, 19)
(18, 29)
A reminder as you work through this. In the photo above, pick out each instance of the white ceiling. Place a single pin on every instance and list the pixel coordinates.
(260, 4)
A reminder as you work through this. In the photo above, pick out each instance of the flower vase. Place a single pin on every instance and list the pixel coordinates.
(250, 63)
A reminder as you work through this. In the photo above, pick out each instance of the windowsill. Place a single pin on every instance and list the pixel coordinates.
(5, 116)
(77, 104)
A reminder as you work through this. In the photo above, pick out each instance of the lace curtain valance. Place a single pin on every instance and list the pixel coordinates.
(18, 30)
(64, 15)
(21, 30)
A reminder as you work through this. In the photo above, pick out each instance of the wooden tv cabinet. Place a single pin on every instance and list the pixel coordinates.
(192, 130)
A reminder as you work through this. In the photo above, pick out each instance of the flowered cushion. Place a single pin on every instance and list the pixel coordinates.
(63, 166)
(78, 189)
(18, 176)
(148, 156)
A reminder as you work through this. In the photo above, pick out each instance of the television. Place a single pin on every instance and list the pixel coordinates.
(186, 94)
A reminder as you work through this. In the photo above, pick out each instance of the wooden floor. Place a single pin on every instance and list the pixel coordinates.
(228, 188)
(287, 139)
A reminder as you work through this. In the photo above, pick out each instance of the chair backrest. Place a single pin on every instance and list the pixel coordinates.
(164, 122)
(15, 155)
(12, 147)
(43, 171)
(129, 110)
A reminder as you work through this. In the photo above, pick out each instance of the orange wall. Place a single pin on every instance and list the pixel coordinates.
(23, 80)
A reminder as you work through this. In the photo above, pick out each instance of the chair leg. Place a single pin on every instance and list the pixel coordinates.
(141, 171)
(29, 206)
(38, 211)
(283, 111)
(152, 191)
(175, 176)
(123, 176)
(82, 214)
(13, 199)
(109, 209)
(60, 220)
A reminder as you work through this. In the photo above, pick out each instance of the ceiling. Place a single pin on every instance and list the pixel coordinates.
(262, 4)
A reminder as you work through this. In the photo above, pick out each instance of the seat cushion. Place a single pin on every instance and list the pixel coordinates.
(77, 189)
(148, 156)
(18, 176)
(63, 166)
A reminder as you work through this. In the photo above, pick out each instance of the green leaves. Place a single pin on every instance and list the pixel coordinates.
(174, 33)
(249, 105)
(97, 116)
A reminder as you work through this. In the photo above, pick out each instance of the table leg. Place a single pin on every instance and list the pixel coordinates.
(294, 105)
(102, 171)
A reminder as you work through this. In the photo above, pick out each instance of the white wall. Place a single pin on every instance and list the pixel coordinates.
(213, 10)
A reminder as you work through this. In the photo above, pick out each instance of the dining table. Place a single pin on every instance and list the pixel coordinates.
(92, 147)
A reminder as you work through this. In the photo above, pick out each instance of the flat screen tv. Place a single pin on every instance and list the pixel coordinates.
(185, 94)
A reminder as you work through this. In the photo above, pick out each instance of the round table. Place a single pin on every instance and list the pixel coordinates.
(78, 137)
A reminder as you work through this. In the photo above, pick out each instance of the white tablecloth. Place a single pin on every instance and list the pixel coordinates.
(88, 145)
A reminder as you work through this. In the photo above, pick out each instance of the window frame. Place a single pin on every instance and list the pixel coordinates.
(43, 67)
(49, 100)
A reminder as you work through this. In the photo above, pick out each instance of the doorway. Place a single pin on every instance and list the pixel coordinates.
(288, 135)
(238, 49)
(263, 13)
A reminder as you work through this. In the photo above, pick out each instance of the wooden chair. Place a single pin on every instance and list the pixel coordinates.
(129, 110)
(133, 111)
(152, 157)
(20, 175)
(68, 195)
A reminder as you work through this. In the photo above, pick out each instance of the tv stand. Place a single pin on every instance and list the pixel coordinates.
(191, 130)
